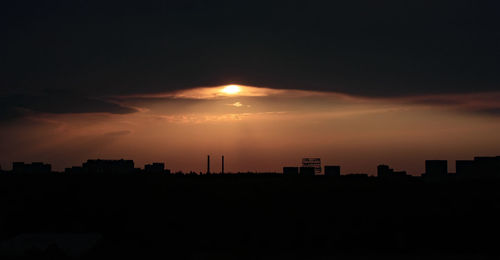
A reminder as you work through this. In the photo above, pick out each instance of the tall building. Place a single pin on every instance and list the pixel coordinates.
(487, 167)
(479, 168)
(465, 169)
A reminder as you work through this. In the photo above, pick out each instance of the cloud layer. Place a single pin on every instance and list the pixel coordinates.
(21, 105)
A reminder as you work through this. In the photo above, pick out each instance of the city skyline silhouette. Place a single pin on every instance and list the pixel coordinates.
(480, 167)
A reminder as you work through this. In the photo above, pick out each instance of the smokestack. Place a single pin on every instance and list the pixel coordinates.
(208, 164)
(222, 164)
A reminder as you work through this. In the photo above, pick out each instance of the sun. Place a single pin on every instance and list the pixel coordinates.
(231, 89)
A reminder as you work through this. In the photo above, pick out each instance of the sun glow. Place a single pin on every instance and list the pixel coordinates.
(224, 91)
(231, 89)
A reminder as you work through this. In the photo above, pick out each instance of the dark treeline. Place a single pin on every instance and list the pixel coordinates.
(245, 216)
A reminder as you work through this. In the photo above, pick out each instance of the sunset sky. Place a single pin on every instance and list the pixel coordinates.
(264, 83)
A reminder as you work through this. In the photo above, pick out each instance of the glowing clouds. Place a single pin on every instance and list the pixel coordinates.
(214, 92)
(237, 104)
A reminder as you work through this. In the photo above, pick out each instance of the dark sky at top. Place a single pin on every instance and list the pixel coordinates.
(75, 50)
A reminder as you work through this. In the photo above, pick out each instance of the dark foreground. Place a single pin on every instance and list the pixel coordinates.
(246, 217)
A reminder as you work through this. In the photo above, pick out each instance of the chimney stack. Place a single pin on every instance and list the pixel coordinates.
(222, 165)
(208, 164)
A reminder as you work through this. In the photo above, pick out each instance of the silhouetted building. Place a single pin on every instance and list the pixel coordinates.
(436, 169)
(479, 168)
(487, 167)
(332, 170)
(465, 169)
(307, 171)
(35, 168)
(385, 172)
(154, 168)
(109, 166)
(291, 171)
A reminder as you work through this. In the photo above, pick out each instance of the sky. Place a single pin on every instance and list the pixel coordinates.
(356, 83)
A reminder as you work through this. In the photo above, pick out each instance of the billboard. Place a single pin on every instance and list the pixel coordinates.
(312, 162)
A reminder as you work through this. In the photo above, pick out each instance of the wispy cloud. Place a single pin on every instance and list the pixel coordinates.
(237, 104)
(206, 118)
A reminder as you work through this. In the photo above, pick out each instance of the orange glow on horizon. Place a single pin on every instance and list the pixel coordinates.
(263, 129)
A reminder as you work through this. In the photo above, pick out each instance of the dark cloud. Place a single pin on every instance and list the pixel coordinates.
(493, 111)
(476, 103)
(437, 101)
(8, 113)
(15, 106)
